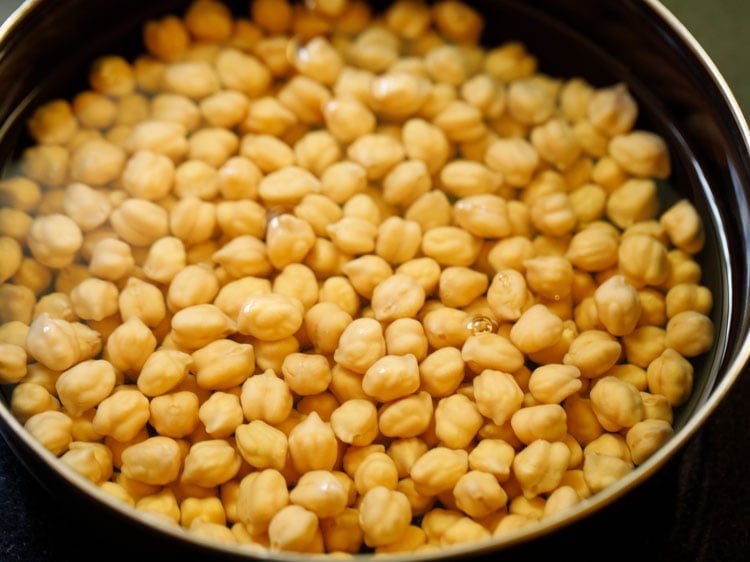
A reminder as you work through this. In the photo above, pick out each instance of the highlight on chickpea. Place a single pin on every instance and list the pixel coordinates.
(320, 279)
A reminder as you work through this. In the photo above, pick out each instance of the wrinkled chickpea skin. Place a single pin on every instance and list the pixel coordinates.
(368, 289)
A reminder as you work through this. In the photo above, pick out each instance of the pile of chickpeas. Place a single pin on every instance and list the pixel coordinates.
(324, 280)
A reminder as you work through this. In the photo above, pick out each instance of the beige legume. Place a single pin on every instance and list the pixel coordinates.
(406, 417)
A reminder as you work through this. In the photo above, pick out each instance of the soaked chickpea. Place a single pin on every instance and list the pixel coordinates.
(319, 279)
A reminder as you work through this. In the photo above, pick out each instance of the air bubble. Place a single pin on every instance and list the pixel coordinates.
(480, 324)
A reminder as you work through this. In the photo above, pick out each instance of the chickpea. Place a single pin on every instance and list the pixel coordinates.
(221, 414)
(30, 398)
(641, 153)
(491, 351)
(553, 383)
(601, 470)
(14, 224)
(46, 164)
(540, 466)
(166, 38)
(492, 456)
(367, 272)
(690, 333)
(20, 193)
(91, 460)
(618, 305)
(453, 464)
(593, 352)
(688, 296)
(313, 445)
(457, 419)
(305, 97)
(515, 159)
(306, 374)
(122, 415)
(59, 344)
(593, 249)
(85, 385)
(527, 333)
(13, 363)
(172, 108)
(174, 414)
(160, 504)
(391, 377)
(157, 460)
(612, 110)
(17, 303)
(286, 187)
(197, 325)
(404, 452)
(545, 421)
(398, 240)
(460, 121)
(442, 371)
(243, 256)
(210, 463)
(549, 276)
(478, 494)
(616, 403)
(497, 395)
(555, 140)
(646, 437)
(320, 492)
(375, 469)
(53, 123)
(355, 422)
(52, 429)
(262, 445)
(560, 500)
(643, 345)
(270, 316)
(398, 95)
(266, 397)
(162, 136)
(195, 284)
(582, 421)
(260, 496)
(374, 49)
(430, 210)
(398, 296)
(406, 417)
(484, 215)
(633, 201)
(316, 151)
(111, 75)
(54, 240)
(129, 345)
(437, 521)
(166, 257)
(406, 335)
(288, 240)
(377, 153)
(451, 246)
(140, 222)
(222, 364)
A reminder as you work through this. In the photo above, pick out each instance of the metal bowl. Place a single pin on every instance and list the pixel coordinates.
(45, 48)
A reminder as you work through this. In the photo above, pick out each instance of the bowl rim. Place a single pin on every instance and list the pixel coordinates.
(21, 442)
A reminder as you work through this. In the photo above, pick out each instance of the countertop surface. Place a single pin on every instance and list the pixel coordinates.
(696, 508)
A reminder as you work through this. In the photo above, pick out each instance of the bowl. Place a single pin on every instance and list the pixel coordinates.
(681, 96)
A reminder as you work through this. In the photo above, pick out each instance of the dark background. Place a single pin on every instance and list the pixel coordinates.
(696, 508)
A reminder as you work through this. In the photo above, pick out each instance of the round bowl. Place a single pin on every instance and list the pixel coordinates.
(45, 49)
